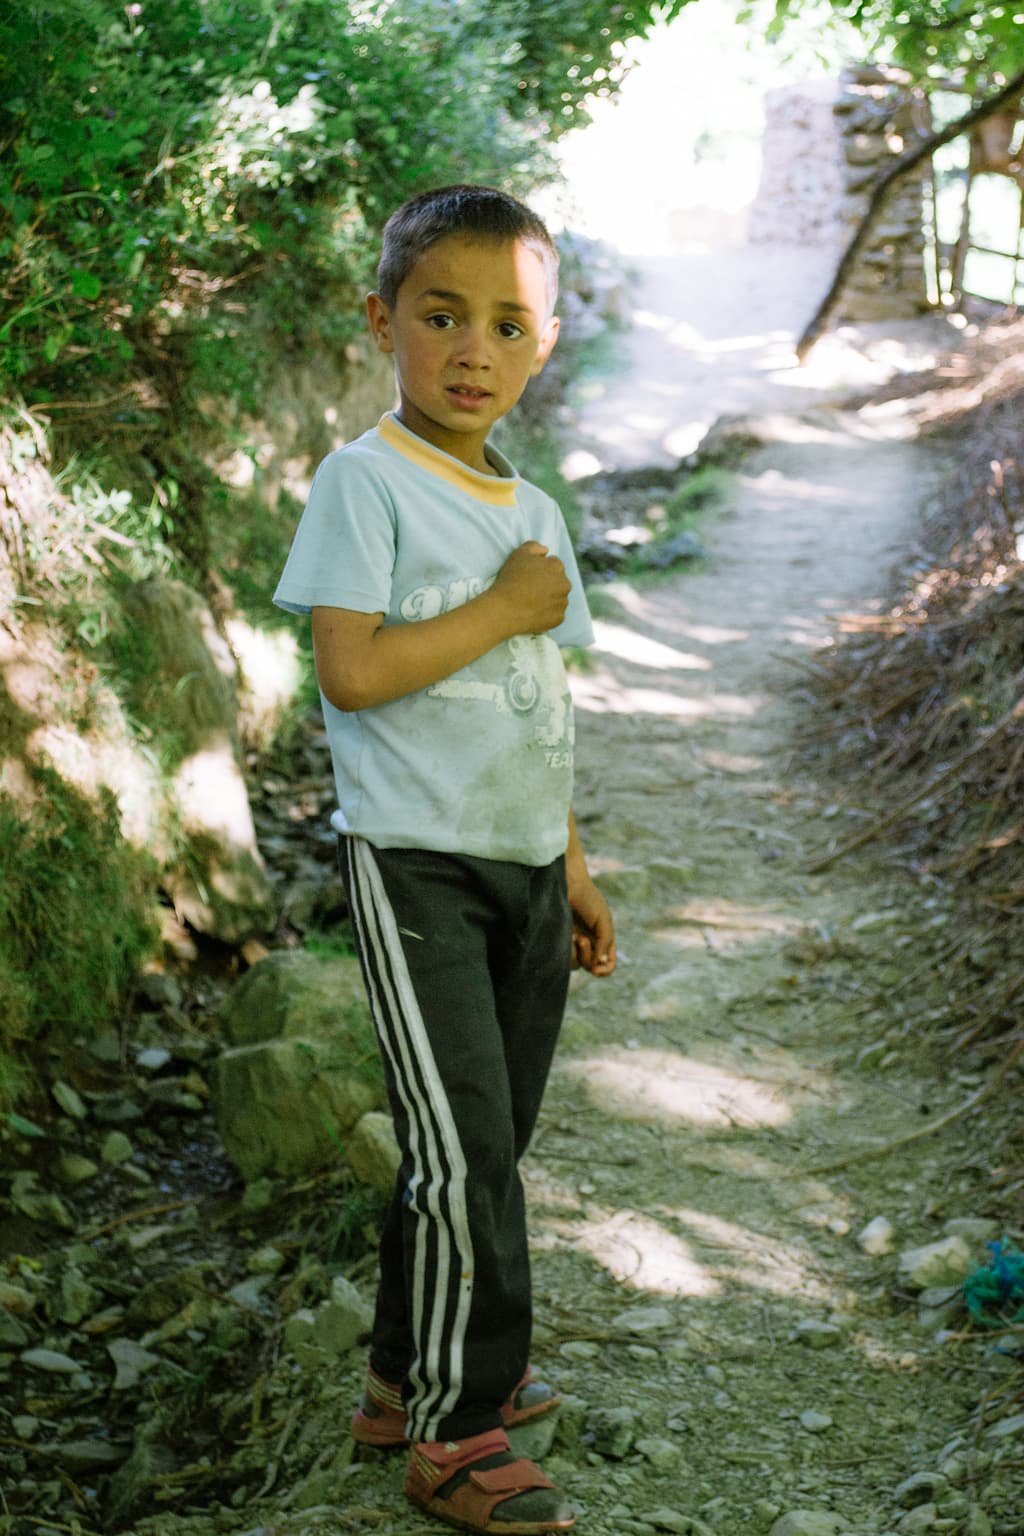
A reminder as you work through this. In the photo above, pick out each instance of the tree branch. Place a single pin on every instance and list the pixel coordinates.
(899, 167)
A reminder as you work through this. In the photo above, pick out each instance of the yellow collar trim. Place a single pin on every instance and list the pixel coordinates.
(497, 491)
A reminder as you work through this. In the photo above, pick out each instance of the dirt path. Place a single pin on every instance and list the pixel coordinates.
(694, 1272)
(731, 1353)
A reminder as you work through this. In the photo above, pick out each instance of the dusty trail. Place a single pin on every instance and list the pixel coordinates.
(751, 1035)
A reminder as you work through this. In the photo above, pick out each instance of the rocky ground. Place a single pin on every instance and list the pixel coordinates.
(755, 1196)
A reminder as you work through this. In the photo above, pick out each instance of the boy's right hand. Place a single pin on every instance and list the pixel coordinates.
(534, 587)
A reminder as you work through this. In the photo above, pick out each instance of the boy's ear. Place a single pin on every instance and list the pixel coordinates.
(548, 337)
(380, 322)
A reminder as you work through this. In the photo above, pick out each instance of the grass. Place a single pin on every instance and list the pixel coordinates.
(76, 918)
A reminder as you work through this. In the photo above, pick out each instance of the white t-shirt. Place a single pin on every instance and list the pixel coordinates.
(480, 762)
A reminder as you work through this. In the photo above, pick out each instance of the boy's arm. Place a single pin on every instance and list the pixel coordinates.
(593, 933)
(361, 662)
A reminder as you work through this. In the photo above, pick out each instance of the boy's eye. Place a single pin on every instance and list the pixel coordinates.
(510, 330)
(440, 322)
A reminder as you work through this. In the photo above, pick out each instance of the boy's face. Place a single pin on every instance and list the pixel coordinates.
(469, 327)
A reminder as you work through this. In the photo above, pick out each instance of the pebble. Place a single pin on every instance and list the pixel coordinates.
(814, 1422)
(817, 1335)
(877, 1237)
(153, 1058)
(920, 1519)
(921, 1488)
(265, 1261)
(663, 1455)
(580, 1349)
(644, 1319)
(613, 1431)
(808, 1522)
(675, 1520)
(50, 1360)
(715, 1374)
(132, 1363)
(946, 1262)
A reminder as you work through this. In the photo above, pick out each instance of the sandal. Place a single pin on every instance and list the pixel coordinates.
(479, 1484)
(380, 1418)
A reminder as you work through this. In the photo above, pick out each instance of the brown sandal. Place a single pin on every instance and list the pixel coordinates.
(380, 1418)
(465, 1482)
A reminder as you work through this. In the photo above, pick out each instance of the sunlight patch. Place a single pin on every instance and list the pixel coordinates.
(763, 1261)
(640, 1252)
(615, 640)
(601, 693)
(664, 1086)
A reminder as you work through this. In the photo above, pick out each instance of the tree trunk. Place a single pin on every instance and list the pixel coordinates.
(906, 162)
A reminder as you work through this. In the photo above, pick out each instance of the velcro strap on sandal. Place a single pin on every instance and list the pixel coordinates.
(449, 1456)
(516, 1477)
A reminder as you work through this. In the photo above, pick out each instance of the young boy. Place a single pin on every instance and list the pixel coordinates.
(441, 587)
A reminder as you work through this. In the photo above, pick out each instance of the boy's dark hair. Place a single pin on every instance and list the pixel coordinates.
(483, 212)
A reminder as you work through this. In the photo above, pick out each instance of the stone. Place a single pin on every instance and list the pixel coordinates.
(808, 1522)
(674, 1520)
(946, 1262)
(156, 989)
(302, 1067)
(153, 1058)
(131, 1362)
(663, 1455)
(24, 1425)
(978, 1523)
(814, 1422)
(877, 1237)
(50, 1360)
(69, 1101)
(917, 1520)
(371, 1151)
(626, 884)
(534, 1440)
(116, 1148)
(580, 1349)
(88, 1455)
(265, 1261)
(645, 1319)
(219, 883)
(323, 1334)
(613, 1431)
(921, 1488)
(117, 1109)
(78, 1299)
(816, 1334)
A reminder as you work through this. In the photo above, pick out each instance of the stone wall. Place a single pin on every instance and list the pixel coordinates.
(802, 168)
(880, 116)
(825, 145)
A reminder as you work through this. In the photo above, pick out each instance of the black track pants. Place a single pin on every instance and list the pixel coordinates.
(466, 963)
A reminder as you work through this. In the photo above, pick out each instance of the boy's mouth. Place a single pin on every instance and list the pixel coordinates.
(468, 393)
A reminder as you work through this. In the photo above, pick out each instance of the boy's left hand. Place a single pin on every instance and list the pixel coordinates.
(593, 933)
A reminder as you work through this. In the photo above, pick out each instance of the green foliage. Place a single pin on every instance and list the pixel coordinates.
(980, 43)
(179, 183)
(75, 920)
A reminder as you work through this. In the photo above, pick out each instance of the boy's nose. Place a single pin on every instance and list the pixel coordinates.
(472, 350)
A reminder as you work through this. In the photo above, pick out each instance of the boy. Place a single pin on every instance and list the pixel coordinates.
(441, 586)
